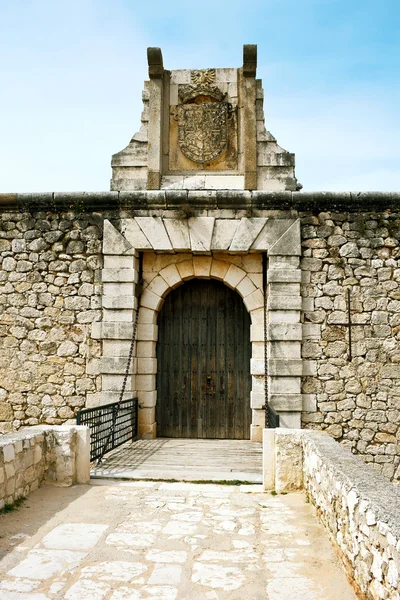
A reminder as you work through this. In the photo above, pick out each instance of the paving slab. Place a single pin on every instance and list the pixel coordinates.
(148, 540)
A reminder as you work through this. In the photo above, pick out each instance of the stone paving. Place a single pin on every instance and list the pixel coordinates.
(167, 541)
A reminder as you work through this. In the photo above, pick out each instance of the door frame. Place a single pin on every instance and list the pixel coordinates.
(244, 366)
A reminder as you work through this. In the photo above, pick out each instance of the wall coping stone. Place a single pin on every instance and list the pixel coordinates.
(382, 495)
(175, 199)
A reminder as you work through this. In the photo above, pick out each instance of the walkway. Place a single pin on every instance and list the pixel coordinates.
(166, 541)
(185, 460)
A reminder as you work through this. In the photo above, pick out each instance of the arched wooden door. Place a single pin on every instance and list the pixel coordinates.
(203, 363)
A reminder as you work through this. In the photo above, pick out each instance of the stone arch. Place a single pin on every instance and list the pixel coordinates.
(167, 279)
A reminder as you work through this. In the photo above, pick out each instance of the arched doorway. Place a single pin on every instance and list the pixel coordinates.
(203, 363)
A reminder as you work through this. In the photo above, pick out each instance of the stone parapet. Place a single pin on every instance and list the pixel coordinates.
(57, 455)
(358, 506)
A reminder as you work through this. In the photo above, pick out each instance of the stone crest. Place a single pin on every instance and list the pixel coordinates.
(203, 130)
(202, 118)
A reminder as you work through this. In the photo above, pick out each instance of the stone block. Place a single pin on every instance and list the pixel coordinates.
(309, 368)
(113, 383)
(286, 402)
(171, 275)
(118, 289)
(178, 233)
(150, 300)
(256, 433)
(284, 289)
(257, 366)
(119, 262)
(254, 301)
(284, 303)
(285, 331)
(119, 275)
(258, 417)
(113, 241)
(284, 316)
(154, 230)
(134, 235)
(147, 315)
(172, 182)
(256, 333)
(311, 331)
(290, 420)
(309, 402)
(115, 348)
(119, 316)
(257, 318)
(285, 367)
(286, 350)
(223, 234)
(288, 461)
(146, 416)
(257, 399)
(284, 276)
(146, 366)
(234, 276)
(118, 302)
(219, 269)
(201, 232)
(271, 233)
(147, 432)
(146, 350)
(246, 234)
(8, 453)
(145, 383)
(147, 399)
(101, 398)
(147, 332)
(289, 243)
(82, 454)
(246, 287)
(202, 266)
(285, 385)
(224, 182)
(268, 440)
(185, 269)
(194, 182)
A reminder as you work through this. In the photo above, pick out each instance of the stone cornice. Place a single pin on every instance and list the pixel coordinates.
(219, 199)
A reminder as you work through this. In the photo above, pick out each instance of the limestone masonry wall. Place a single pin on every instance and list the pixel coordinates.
(49, 296)
(360, 510)
(59, 455)
(357, 402)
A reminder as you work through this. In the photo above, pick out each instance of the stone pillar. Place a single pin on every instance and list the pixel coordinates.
(120, 276)
(285, 366)
(156, 108)
(248, 127)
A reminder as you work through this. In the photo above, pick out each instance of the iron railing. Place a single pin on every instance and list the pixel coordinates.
(116, 421)
(273, 418)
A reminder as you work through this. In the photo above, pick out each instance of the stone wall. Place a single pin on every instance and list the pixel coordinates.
(358, 506)
(360, 510)
(357, 402)
(58, 455)
(49, 296)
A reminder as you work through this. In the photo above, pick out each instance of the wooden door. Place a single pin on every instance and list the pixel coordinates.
(203, 363)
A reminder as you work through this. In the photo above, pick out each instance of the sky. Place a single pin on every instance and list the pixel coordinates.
(71, 77)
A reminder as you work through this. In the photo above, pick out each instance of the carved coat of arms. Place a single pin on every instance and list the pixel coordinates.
(203, 130)
(202, 118)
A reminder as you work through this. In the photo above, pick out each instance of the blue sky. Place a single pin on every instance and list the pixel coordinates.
(72, 74)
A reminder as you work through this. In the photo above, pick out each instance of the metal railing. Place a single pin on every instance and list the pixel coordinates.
(273, 418)
(116, 421)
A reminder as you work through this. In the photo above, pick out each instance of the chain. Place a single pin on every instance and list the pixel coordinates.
(121, 396)
(265, 343)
